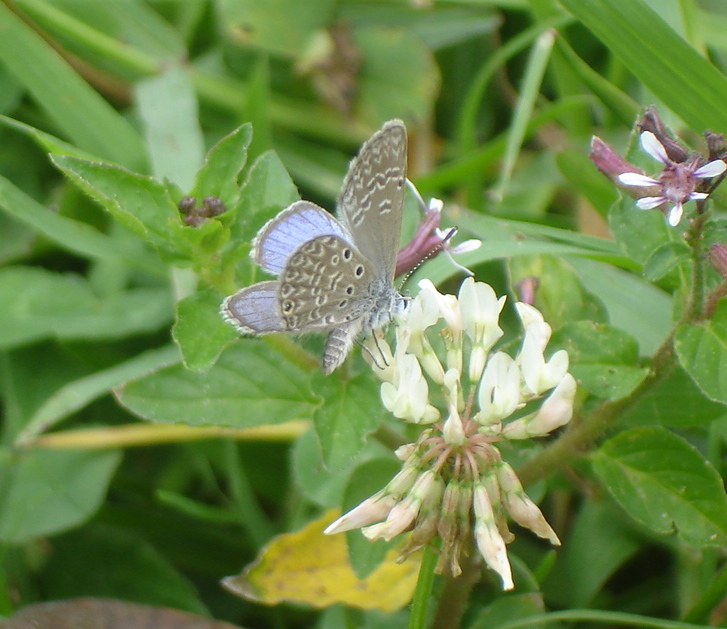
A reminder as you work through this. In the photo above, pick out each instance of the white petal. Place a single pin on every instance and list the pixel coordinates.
(698, 196)
(675, 214)
(653, 147)
(636, 179)
(466, 246)
(714, 168)
(649, 203)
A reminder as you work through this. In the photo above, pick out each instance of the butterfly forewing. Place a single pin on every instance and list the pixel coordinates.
(370, 203)
(324, 285)
(282, 235)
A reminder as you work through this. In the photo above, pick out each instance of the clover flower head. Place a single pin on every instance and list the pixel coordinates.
(677, 182)
(454, 482)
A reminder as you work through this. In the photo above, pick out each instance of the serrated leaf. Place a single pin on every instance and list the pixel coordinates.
(702, 351)
(43, 492)
(250, 385)
(665, 483)
(138, 202)
(200, 331)
(351, 410)
(309, 567)
(219, 176)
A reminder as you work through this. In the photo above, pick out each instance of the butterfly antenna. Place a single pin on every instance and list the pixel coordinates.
(452, 231)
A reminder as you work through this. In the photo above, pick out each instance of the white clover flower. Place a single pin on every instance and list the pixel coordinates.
(677, 181)
(453, 482)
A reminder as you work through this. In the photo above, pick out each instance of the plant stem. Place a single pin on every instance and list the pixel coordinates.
(423, 592)
(456, 593)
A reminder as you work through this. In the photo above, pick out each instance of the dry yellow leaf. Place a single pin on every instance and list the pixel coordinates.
(310, 567)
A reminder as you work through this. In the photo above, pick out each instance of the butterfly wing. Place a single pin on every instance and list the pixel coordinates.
(281, 236)
(371, 201)
(254, 310)
(324, 284)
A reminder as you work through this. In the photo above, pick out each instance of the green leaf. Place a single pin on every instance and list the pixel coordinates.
(599, 543)
(508, 609)
(281, 26)
(406, 88)
(43, 492)
(267, 190)
(602, 359)
(665, 258)
(69, 102)
(77, 394)
(74, 236)
(167, 106)
(200, 331)
(351, 410)
(560, 295)
(131, 568)
(138, 202)
(250, 385)
(673, 402)
(702, 351)
(639, 232)
(319, 484)
(665, 483)
(40, 304)
(220, 174)
(634, 305)
(662, 60)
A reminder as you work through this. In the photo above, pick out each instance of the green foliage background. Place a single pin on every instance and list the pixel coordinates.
(114, 111)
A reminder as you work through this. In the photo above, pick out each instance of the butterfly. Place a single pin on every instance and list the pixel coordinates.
(335, 275)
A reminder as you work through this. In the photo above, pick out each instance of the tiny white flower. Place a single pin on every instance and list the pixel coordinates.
(539, 375)
(373, 509)
(520, 507)
(488, 538)
(556, 411)
(453, 429)
(408, 397)
(499, 392)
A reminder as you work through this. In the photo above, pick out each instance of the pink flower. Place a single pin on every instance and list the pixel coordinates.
(677, 181)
